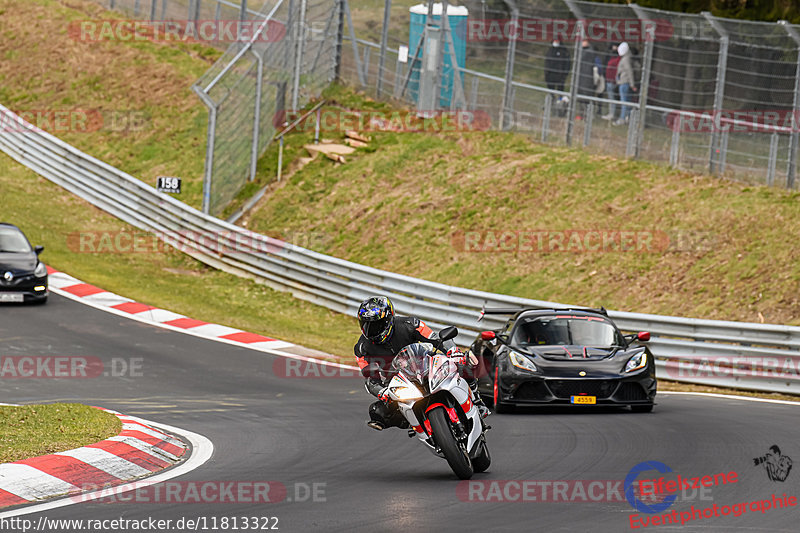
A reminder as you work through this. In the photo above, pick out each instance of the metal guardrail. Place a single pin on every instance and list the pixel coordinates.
(731, 354)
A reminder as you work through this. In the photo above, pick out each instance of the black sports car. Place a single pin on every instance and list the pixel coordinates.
(567, 356)
(23, 278)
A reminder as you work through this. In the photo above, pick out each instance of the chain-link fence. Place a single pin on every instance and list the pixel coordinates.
(705, 94)
(279, 54)
(708, 94)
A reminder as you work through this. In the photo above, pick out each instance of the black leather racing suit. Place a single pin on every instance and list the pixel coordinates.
(374, 358)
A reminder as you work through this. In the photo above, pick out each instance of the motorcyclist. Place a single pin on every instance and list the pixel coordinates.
(383, 336)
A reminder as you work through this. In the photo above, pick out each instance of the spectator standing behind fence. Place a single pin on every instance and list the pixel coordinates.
(556, 66)
(586, 85)
(611, 82)
(626, 81)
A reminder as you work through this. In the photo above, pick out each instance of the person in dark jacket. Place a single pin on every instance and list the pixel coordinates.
(383, 335)
(588, 61)
(556, 66)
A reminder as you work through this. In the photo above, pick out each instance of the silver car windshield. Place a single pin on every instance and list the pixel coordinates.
(564, 330)
(13, 241)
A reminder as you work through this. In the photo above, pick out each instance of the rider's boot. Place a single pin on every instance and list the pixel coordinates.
(477, 400)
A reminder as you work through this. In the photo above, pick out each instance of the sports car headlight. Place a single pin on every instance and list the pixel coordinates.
(41, 270)
(636, 362)
(520, 361)
(406, 392)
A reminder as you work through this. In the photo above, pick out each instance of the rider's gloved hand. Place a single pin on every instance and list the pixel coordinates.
(383, 395)
(455, 354)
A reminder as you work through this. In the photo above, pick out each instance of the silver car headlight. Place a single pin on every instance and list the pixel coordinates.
(636, 362)
(41, 270)
(520, 361)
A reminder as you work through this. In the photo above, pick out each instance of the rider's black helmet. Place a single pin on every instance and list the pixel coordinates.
(376, 318)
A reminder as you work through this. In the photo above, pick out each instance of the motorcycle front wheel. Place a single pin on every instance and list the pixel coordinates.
(457, 457)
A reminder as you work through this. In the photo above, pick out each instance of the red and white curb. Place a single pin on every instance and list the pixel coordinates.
(75, 289)
(66, 285)
(138, 451)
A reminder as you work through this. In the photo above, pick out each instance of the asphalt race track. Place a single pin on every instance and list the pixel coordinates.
(307, 433)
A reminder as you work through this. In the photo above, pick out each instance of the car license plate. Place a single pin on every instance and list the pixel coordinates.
(583, 399)
(11, 297)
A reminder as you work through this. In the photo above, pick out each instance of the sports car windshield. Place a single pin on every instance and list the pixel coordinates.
(413, 359)
(563, 330)
(12, 240)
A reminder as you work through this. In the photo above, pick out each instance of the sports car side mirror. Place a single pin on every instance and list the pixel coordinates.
(38, 249)
(487, 335)
(450, 332)
(643, 336)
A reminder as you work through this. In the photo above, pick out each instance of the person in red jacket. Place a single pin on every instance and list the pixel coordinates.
(611, 82)
(383, 335)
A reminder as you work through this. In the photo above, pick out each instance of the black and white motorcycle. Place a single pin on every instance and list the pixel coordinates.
(438, 404)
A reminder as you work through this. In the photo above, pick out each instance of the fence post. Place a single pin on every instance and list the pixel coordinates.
(633, 128)
(548, 106)
(136, 7)
(509, 72)
(337, 73)
(719, 93)
(387, 7)
(280, 157)
(153, 4)
(644, 82)
(587, 124)
(791, 166)
(723, 151)
(242, 11)
(674, 147)
(773, 158)
(576, 68)
(357, 59)
(473, 97)
(298, 62)
(211, 139)
(365, 65)
(257, 118)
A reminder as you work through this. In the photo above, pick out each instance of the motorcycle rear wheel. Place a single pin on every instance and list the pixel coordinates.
(457, 457)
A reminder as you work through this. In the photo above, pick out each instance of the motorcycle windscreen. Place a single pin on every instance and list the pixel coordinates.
(413, 359)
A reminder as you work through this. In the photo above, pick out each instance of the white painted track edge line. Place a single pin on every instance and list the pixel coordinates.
(270, 351)
(730, 397)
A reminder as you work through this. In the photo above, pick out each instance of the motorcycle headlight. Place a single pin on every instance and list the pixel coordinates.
(520, 361)
(41, 270)
(406, 392)
(636, 362)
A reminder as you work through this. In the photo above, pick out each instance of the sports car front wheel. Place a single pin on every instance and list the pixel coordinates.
(499, 406)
